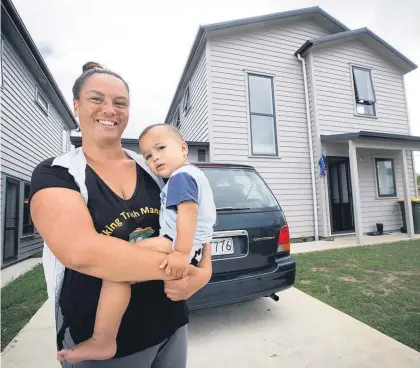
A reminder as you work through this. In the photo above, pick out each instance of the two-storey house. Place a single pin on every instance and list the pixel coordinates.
(318, 109)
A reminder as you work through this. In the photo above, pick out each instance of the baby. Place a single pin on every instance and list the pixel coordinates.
(187, 216)
(188, 212)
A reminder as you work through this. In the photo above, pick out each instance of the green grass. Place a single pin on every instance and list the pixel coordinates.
(20, 300)
(376, 284)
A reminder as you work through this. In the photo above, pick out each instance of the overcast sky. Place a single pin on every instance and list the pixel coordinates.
(148, 42)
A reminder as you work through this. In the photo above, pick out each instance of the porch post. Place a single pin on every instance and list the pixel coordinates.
(407, 196)
(354, 173)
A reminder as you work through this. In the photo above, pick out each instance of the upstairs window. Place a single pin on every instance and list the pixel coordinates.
(41, 100)
(364, 92)
(263, 121)
(177, 119)
(187, 101)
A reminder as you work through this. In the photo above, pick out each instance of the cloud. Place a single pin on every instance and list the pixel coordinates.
(149, 42)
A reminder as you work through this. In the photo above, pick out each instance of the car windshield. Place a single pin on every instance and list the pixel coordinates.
(239, 189)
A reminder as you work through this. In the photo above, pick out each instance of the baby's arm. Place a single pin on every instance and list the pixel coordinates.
(186, 222)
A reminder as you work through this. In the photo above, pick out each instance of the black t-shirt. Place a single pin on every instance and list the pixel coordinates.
(150, 317)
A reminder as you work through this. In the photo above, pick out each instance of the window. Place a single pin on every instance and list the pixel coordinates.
(385, 177)
(364, 93)
(262, 114)
(1, 63)
(27, 225)
(177, 119)
(201, 155)
(187, 101)
(239, 189)
(41, 100)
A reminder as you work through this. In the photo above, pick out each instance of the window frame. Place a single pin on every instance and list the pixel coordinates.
(31, 223)
(186, 102)
(353, 84)
(378, 194)
(250, 114)
(38, 94)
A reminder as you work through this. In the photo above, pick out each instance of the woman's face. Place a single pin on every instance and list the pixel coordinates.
(103, 108)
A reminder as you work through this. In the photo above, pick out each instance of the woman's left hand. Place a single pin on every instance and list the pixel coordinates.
(197, 278)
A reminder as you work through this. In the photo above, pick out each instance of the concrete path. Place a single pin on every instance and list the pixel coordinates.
(346, 242)
(11, 272)
(298, 331)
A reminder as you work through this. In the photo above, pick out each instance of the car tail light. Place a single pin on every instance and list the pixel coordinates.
(283, 244)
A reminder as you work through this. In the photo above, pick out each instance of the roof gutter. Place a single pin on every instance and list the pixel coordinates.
(310, 144)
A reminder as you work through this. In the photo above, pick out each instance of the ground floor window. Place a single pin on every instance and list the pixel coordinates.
(385, 177)
(27, 225)
(17, 218)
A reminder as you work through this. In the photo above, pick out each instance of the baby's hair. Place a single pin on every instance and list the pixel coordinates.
(88, 69)
(171, 128)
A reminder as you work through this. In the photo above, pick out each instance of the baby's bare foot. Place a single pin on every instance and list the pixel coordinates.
(89, 350)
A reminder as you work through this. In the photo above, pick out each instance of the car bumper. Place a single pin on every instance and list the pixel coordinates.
(230, 289)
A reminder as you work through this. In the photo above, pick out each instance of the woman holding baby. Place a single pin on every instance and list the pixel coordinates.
(87, 204)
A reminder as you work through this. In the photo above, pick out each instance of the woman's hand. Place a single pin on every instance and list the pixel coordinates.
(197, 278)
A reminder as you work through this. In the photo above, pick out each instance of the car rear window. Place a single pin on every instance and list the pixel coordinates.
(239, 188)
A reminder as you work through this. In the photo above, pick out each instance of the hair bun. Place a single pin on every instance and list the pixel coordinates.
(91, 65)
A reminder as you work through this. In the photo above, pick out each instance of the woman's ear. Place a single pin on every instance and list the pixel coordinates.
(76, 108)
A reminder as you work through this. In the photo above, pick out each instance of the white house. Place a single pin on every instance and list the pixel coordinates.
(35, 125)
(279, 91)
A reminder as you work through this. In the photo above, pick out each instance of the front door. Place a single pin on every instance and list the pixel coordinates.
(11, 221)
(340, 194)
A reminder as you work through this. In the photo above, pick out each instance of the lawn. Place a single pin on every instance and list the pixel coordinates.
(376, 284)
(20, 300)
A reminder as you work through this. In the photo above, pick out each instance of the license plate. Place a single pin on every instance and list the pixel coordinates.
(221, 246)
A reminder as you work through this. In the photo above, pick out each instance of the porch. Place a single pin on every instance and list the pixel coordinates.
(359, 192)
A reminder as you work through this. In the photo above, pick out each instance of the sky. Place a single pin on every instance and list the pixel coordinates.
(148, 42)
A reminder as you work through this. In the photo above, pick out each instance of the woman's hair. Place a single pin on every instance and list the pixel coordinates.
(88, 69)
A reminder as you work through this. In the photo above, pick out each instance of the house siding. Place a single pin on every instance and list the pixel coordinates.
(194, 125)
(28, 135)
(267, 50)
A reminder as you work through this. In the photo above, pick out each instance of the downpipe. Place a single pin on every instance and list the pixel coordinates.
(311, 149)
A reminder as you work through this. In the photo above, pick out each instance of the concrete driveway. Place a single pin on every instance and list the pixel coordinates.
(298, 331)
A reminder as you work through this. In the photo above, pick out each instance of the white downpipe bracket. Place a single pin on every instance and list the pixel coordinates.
(311, 149)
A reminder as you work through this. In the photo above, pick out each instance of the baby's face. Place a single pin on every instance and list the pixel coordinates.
(163, 151)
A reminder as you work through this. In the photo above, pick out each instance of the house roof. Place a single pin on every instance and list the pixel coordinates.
(362, 33)
(203, 30)
(365, 135)
(14, 29)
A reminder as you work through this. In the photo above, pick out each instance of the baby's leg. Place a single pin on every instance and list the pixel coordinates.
(113, 302)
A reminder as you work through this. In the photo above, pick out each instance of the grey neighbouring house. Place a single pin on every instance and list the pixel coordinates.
(35, 125)
(280, 91)
(197, 151)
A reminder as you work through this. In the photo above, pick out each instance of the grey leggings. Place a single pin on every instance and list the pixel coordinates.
(172, 353)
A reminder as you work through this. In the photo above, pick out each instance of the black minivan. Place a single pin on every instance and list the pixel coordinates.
(251, 243)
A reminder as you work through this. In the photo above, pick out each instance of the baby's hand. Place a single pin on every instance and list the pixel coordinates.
(176, 264)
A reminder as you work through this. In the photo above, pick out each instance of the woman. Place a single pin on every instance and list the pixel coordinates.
(85, 204)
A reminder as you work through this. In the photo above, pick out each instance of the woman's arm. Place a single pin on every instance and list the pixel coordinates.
(64, 222)
(197, 278)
